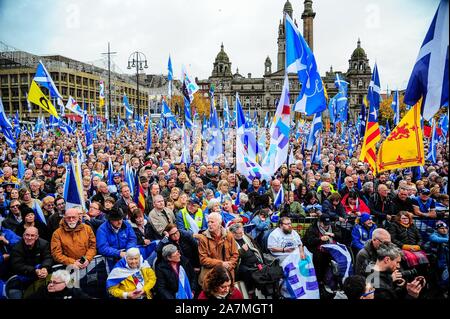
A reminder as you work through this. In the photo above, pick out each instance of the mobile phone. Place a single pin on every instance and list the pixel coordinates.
(82, 260)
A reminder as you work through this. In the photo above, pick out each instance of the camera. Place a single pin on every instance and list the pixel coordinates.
(409, 275)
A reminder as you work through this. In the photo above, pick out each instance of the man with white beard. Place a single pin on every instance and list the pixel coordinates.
(73, 243)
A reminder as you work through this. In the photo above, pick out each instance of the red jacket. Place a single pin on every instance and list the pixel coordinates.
(362, 207)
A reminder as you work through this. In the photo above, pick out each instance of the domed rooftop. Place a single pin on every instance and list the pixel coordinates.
(288, 8)
(222, 56)
(359, 52)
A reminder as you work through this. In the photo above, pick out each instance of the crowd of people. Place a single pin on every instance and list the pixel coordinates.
(206, 230)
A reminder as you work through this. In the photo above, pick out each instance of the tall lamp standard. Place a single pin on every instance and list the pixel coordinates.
(139, 60)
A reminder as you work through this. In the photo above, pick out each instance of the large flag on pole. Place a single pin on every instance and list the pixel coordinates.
(72, 194)
(6, 128)
(128, 107)
(372, 135)
(37, 97)
(73, 106)
(187, 114)
(429, 77)
(396, 107)
(300, 60)
(101, 96)
(44, 79)
(316, 128)
(404, 146)
(169, 77)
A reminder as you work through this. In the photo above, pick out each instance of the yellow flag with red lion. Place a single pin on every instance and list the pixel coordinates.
(404, 146)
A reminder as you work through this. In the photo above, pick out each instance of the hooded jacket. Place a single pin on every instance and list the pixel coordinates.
(110, 243)
(69, 245)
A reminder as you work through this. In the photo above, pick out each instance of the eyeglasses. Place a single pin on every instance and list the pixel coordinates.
(14, 206)
(56, 282)
(175, 233)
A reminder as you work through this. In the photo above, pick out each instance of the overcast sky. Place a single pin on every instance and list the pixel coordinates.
(391, 32)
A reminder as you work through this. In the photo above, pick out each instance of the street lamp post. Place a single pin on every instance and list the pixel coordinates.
(139, 60)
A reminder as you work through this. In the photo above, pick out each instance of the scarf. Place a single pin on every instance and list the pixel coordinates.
(122, 271)
(322, 232)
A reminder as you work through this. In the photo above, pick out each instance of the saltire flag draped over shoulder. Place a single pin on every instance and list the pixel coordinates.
(36, 96)
(429, 77)
(300, 60)
(7, 128)
(404, 146)
(372, 135)
(279, 133)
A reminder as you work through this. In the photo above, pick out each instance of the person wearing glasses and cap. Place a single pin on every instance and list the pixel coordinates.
(424, 205)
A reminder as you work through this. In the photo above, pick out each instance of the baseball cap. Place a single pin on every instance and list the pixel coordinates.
(425, 191)
(364, 217)
(325, 219)
(195, 200)
(440, 224)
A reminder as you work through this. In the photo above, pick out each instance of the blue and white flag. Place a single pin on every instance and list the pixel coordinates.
(362, 121)
(189, 84)
(184, 287)
(149, 136)
(373, 94)
(74, 107)
(432, 150)
(72, 194)
(226, 114)
(429, 77)
(60, 158)
(122, 271)
(443, 123)
(169, 77)
(215, 146)
(300, 60)
(187, 114)
(128, 107)
(6, 128)
(38, 212)
(167, 115)
(316, 128)
(185, 146)
(300, 280)
(342, 257)
(396, 108)
(279, 199)
(80, 151)
(332, 109)
(43, 78)
(20, 168)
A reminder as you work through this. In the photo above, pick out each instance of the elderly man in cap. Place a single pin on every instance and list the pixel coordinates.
(115, 236)
(191, 218)
(424, 205)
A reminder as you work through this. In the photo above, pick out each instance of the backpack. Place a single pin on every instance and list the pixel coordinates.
(267, 279)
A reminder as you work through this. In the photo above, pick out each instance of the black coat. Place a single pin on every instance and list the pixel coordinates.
(25, 260)
(401, 235)
(187, 246)
(312, 236)
(380, 207)
(66, 293)
(42, 229)
(11, 223)
(333, 212)
(364, 257)
(167, 280)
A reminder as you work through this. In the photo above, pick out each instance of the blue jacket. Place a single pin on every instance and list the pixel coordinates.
(334, 213)
(260, 226)
(11, 237)
(439, 245)
(109, 243)
(360, 235)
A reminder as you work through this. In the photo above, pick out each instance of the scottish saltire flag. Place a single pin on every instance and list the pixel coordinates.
(342, 257)
(38, 212)
(149, 136)
(122, 271)
(184, 287)
(6, 128)
(20, 168)
(74, 107)
(169, 76)
(316, 128)
(89, 143)
(387, 129)
(279, 132)
(443, 123)
(341, 85)
(185, 153)
(215, 147)
(128, 107)
(300, 280)
(16, 123)
(43, 78)
(80, 152)
(167, 115)
(300, 60)
(332, 109)
(60, 157)
(279, 199)
(429, 77)
(187, 114)
(372, 134)
(432, 151)
(72, 195)
(396, 108)
(189, 85)
(316, 158)
(362, 121)
(226, 114)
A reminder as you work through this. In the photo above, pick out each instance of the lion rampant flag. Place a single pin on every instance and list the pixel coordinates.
(404, 146)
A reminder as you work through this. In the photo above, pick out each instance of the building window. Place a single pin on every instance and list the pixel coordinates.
(13, 78)
(360, 84)
(3, 79)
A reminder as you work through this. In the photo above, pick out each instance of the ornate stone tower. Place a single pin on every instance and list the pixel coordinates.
(358, 76)
(308, 22)
(282, 38)
(222, 65)
(267, 66)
